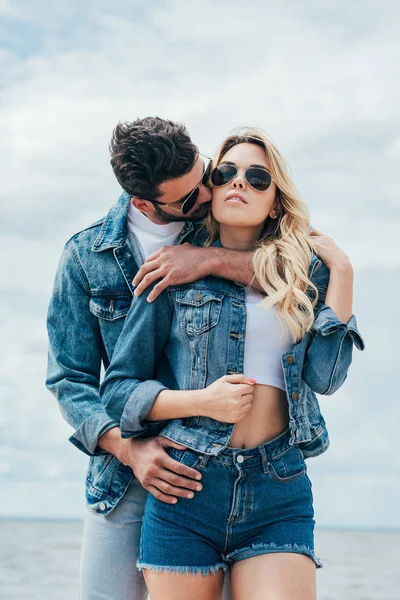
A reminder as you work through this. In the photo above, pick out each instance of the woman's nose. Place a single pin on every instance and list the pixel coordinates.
(238, 182)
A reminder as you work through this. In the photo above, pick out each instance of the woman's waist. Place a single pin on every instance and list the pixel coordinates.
(267, 418)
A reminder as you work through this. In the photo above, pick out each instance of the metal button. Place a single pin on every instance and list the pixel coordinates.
(290, 359)
(102, 506)
(295, 395)
(240, 458)
(198, 297)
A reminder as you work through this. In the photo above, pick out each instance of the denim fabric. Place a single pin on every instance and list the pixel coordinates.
(110, 549)
(199, 330)
(92, 295)
(254, 501)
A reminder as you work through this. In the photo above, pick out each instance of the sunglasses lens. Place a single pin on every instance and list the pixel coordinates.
(259, 179)
(190, 202)
(223, 174)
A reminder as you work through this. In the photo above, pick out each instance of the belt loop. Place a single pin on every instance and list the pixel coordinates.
(264, 458)
(204, 460)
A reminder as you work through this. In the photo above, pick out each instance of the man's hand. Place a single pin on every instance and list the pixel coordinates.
(161, 475)
(172, 265)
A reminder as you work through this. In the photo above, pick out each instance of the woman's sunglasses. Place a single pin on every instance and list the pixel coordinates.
(257, 177)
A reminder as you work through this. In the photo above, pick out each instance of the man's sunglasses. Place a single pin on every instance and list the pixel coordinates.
(257, 177)
(190, 200)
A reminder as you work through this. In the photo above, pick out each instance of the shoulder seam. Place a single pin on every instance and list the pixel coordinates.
(80, 268)
(95, 224)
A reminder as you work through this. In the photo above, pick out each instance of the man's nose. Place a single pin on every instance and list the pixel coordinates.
(205, 195)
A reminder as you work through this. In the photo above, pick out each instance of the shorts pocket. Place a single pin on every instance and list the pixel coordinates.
(288, 466)
(186, 457)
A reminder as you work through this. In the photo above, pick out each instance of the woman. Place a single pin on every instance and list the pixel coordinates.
(239, 369)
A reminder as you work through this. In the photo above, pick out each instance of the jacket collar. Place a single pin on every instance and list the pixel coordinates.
(114, 230)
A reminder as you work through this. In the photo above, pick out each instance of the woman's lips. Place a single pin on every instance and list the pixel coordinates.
(235, 199)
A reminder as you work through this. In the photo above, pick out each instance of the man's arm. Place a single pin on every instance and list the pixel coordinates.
(74, 359)
(172, 265)
(74, 377)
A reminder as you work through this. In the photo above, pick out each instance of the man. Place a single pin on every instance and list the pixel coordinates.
(159, 215)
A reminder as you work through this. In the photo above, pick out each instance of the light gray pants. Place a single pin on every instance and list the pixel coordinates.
(110, 549)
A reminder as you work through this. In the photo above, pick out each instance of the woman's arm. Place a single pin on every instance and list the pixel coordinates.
(128, 391)
(334, 330)
(228, 399)
(132, 396)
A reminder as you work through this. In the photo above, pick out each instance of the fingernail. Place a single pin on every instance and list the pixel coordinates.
(198, 476)
(191, 495)
(174, 501)
(252, 380)
(198, 488)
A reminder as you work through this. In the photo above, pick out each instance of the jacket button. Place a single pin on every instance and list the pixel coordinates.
(198, 297)
(290, 359)
(102, 506)
(295, 395)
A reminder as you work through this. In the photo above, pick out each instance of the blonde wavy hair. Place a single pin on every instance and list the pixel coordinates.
(284, 250)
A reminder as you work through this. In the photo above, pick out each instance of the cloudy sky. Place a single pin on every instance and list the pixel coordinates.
(320, 77)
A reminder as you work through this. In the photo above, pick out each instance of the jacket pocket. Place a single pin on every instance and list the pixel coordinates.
(289, 466)
(110, 308)
(198, 310)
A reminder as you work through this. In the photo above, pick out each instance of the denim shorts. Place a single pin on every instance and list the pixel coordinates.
(254, 501)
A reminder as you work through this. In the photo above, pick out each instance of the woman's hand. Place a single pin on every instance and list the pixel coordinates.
(228, 399)
(327, 250)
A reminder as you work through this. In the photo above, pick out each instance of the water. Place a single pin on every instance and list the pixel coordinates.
(40, 560)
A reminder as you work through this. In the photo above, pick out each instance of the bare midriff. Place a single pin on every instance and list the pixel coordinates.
(267, 418)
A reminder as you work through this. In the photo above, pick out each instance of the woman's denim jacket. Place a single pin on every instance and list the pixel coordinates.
(193, 334)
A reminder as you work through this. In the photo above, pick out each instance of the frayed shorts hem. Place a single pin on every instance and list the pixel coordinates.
(259, 549)
(193, 570)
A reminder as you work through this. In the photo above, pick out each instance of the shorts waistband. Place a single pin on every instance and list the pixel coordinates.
(254, 456)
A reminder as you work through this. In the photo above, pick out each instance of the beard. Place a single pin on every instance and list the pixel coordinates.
(197, 215)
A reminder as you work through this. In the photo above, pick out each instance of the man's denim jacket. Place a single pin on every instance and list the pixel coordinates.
(193, 334)
(91, 297)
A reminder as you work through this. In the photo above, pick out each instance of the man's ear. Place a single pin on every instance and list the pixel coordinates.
(143, 205)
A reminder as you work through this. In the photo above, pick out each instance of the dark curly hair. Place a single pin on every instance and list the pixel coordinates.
(149, 151)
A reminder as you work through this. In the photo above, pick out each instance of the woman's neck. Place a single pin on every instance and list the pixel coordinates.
(239, 238)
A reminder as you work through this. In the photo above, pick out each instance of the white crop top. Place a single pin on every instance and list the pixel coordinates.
(264, 343)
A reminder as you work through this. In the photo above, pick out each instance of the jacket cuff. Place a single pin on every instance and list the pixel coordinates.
(326, 322)
(137, 408)
(86, 437)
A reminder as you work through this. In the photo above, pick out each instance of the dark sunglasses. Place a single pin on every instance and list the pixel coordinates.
(190, 200)
(257, 177)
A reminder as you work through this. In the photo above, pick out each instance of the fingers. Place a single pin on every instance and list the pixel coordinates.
(158, 289)
(316, 232)
(148, 280)
(161, 496)
(247, 399)
(180, 469)
(244, 388)
(166, 443)
(175, 485)
(237, 378)
(149, 265)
